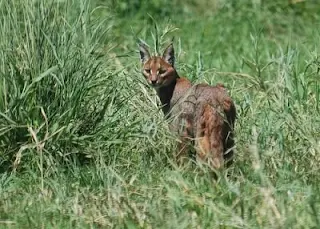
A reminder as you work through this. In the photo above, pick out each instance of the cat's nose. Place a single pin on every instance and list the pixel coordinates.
(153, 82)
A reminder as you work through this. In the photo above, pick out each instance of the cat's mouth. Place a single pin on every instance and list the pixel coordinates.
(156, 86)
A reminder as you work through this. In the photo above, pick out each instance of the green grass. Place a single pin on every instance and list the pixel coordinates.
(84, 145)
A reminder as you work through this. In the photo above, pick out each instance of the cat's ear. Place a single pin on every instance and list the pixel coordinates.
(144, 52)
(168, 54)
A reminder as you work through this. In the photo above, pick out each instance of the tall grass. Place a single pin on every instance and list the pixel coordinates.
(84, 145)
(57, 85)
(48, 75)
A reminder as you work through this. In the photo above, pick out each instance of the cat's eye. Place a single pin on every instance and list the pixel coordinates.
(147, 71)
(161, 71)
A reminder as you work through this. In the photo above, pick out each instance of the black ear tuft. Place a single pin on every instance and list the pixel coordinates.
(144, 52)
(168, 55)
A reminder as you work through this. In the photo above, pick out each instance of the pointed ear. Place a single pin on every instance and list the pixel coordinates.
(168, 55)
(144, 52)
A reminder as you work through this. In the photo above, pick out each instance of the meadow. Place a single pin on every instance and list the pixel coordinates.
(83, 143)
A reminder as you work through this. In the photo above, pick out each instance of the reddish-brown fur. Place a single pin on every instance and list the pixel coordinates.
(200, 113)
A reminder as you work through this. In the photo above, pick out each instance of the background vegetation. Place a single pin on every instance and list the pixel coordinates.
(83, 144)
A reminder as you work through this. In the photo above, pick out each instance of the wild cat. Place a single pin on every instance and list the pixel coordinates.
(200, 114)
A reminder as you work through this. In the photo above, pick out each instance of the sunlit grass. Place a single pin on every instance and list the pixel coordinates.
(84, 145)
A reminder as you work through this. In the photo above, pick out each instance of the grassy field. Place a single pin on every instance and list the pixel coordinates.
(84, 145)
